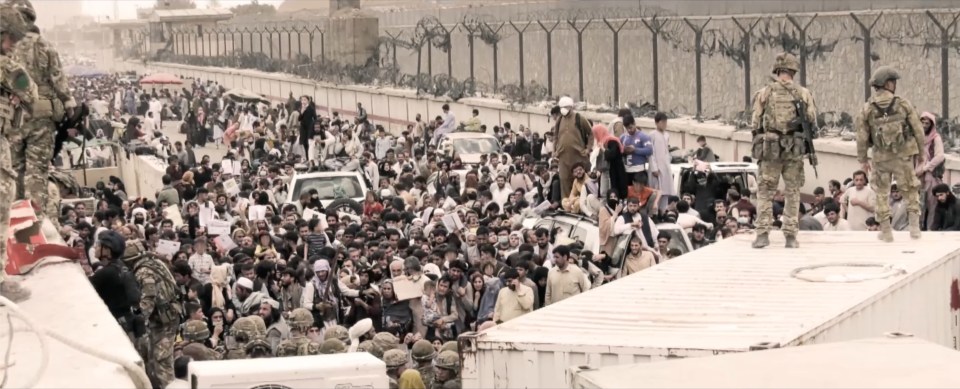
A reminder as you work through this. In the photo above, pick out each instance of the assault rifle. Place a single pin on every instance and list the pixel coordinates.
(809, 134)
(78, 121)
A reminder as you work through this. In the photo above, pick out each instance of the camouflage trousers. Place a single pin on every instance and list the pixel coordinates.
(156, 349)
(793, 177)
(883, 174)
(31, 151)
(7, 191)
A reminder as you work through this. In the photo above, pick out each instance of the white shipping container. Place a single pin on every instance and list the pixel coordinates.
(900, 362)
(728, 298)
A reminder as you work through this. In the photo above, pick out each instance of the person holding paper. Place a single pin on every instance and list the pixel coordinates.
(200, 262)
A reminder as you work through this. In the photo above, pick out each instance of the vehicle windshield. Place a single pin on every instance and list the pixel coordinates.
(328, 187)
(475, 146)
(676, 239)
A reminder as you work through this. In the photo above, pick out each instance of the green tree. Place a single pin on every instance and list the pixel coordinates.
(254, 8)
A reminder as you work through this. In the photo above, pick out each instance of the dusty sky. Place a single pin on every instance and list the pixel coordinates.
(128, 8)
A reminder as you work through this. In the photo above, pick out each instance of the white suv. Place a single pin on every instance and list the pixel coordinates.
(340, 191)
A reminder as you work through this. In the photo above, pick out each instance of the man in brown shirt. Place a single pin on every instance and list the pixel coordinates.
(574, 142)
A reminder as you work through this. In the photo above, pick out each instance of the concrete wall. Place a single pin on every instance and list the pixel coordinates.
(397, 108)
(906, 40)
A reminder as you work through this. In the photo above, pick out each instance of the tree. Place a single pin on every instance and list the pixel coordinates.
(254, 8)
(174, 4)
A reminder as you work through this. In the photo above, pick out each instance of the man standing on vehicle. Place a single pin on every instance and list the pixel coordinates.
(890, 126)
(637, 147)
(778, 148)
(574, 142)
(449, 124)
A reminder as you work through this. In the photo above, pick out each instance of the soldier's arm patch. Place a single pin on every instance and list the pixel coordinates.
(21, 81)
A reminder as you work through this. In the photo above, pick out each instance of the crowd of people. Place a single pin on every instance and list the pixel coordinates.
(280, 278)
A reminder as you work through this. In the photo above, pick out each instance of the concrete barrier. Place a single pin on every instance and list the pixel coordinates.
(396, 108)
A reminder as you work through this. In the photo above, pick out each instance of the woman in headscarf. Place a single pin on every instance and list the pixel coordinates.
(930, 174)
(216, 294)
(610, 161)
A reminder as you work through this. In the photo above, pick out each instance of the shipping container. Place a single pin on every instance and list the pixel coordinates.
(886, 362)
(728, 298)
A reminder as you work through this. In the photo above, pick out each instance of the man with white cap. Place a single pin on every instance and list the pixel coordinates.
(574, 140)
(323, 293)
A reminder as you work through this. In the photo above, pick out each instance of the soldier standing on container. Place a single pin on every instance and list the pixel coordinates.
(778, 148)
(32, 146)
(17, 90)
(891, 127)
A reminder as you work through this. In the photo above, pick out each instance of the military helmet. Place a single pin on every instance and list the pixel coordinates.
(786, 61)
(422, 350)
(26, 9)
(386, 341)
(248, 328)
(11, 22)
(370, 347)
(301, 319)
(258, 348)
(333, 346)
(448, 360)
(337, 332)
(134, 251)
(450, 345)
(195, 331)
(394, 358)
(882, 75)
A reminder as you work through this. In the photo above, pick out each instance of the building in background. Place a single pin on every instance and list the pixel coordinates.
(52, 13)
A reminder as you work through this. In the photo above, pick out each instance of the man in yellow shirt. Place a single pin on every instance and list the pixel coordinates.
(514, 300)
(564, 281)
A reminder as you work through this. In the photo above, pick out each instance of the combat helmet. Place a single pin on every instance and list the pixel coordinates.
(386, 341)
(450, 345)
(26, 9)
(786, 61)
(394, 358)
(248, 328)
(11, 22)
(300, 319)
(370, 347)
(882, 75)
(337, 332)
(448, 360)
(422, 350)
(195, 331)
(333, 346)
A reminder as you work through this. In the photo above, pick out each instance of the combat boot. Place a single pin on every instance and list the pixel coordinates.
(914, 223)
(763, 240)
(792, 242)
(886, 233)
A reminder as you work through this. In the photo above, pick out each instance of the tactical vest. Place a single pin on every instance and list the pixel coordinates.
(888, 129)
(167, 309)
(780, 110)
(32, 53)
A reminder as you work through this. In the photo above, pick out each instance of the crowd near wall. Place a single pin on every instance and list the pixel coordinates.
(706, 67)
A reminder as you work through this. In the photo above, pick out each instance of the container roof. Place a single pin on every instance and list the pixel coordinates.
(725, 296)
(865, 363)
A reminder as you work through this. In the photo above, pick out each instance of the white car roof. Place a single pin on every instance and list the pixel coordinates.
(301, 176)
(466, 135)
(720, 167)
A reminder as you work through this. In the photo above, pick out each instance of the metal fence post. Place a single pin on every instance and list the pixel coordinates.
(573, 24)
(496, 61)
(747, 53)
(393, 45)
(945, 33)
(803, 45)
(616, 58)
(447, 35)
(549, 32)
(471, 31)
(430, 58)
(655, 26)
(520, 32)
(867, 32)
(698, 43)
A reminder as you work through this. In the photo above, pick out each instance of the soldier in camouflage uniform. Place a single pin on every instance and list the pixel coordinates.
(299, 344)
(890, 126)
(779, 149)
(423, 354)
(249, 338)
(195, 333)
(450, 345)
(17, 92)
(32, 146)
(447, 371)
(395, 360)
(333, 346)
(369, 347)
(160, 309)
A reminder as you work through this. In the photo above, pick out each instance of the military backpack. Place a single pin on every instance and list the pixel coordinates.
(888, 131)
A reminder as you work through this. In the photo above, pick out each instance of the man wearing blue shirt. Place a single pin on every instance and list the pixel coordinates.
(637, 147)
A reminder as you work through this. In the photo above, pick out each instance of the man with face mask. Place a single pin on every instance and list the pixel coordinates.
(574, 140)
(931, 173)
